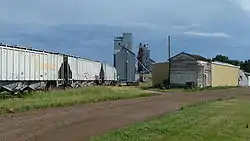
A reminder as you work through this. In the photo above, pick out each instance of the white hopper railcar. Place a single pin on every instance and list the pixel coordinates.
(29, 69)
(85, 72)
(22, 68)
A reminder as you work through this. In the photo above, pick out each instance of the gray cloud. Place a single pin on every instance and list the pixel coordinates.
(85, 27)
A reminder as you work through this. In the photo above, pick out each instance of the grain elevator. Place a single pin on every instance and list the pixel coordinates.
(124, 58)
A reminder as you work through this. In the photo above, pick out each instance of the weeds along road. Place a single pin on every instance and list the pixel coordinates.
(79, 123)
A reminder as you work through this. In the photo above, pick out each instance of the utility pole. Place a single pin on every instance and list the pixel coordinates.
(169, 56)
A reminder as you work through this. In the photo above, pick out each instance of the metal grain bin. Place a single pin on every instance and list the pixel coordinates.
(125, 65)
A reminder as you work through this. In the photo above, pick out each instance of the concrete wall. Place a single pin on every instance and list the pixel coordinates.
(224, 75)
(159, 73)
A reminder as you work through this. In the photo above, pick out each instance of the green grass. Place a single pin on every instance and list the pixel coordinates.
(211, 121)
(148, 86)
(209, 88)
(69, 97)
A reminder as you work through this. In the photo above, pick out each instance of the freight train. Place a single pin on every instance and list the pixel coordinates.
(24, 69)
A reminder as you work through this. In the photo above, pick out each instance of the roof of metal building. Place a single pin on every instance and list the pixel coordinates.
(225, 64)
(197, 57)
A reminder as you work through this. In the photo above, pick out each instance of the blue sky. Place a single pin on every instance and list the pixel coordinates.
(87, 27)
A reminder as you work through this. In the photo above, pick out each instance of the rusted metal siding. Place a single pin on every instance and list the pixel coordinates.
(224, 75)
(159, 73)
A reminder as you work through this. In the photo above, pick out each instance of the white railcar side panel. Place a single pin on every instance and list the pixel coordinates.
(81, 65)
(27, 67)
(51, 68)
(83, 69)
(16, 68)
(96, 68)
(32, 66)
(4, 64)
(10, 58)
(35, 65)
(1, 63)
(93, 69)
(41, 66)
(20, 64)
(75, 68)
(46, 65)
(88, 70)
(109, 72)
(72, 67)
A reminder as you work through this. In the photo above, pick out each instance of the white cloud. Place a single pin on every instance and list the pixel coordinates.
(245, 4)
(186, 26)
(207, 34)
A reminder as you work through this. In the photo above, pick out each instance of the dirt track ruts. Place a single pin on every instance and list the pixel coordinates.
(79, 123)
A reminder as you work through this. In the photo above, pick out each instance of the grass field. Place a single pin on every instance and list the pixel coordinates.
(148, 86)
(211, 121)
(39, 100)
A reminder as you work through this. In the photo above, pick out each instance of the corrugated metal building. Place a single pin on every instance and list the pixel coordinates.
(125, 65)
(159, 73)
(224, 74)
(124, 58)
(202, 72)
(188, 68)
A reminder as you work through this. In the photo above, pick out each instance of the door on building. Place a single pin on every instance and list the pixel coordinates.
(204, 80)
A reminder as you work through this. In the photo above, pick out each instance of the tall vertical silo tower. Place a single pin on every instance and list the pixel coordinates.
(124, 58)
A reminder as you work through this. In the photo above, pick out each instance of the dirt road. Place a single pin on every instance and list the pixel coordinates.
(79, 123)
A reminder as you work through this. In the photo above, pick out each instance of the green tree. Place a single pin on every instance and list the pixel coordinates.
(221, 58)
(244, 65)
